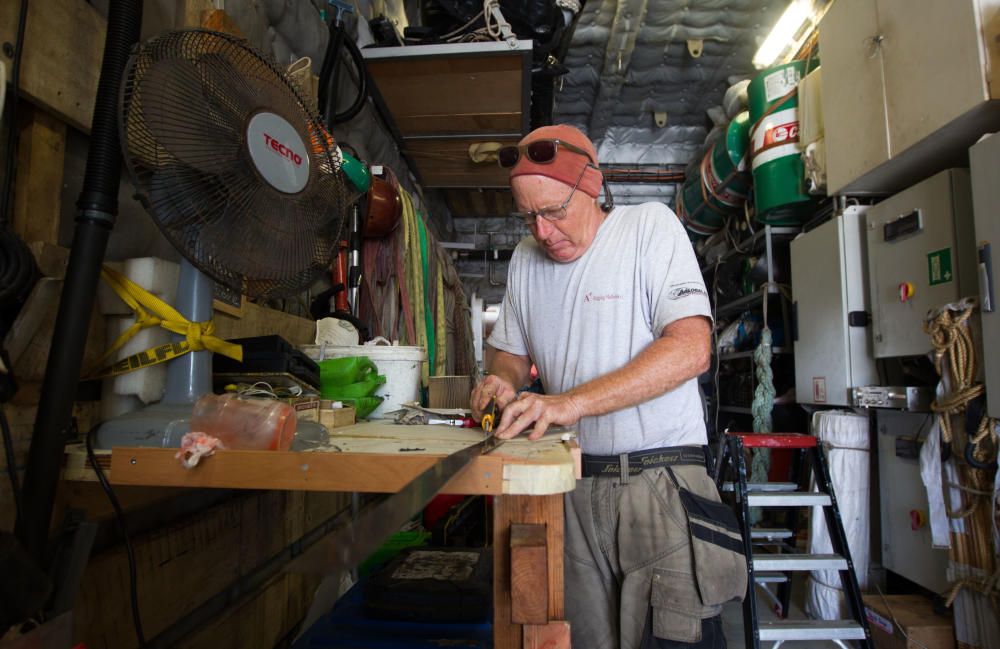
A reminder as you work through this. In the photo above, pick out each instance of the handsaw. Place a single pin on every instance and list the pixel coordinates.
(348, 546)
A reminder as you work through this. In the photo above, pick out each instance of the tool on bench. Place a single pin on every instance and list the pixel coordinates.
(489, 420)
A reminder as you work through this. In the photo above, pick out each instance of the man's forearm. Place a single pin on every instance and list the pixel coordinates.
(516, 370)
(681, 354)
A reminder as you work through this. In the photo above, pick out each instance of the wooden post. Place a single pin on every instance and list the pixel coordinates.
(38, 185)
(529, 574)
(546, 510)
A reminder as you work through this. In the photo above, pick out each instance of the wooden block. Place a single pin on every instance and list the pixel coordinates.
(508, 510)
(37, 195)
(64, 47)
(554, 635)
(337, 417)
(449, 391)
(529, 588)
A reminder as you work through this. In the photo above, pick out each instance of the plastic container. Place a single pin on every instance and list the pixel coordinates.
(254, 424)
(401, 366)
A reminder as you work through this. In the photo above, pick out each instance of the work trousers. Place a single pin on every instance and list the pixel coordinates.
(629, 574)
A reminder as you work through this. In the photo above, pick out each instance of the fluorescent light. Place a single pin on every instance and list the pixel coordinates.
(787, 32)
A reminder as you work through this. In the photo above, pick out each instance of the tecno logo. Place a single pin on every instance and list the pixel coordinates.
(282, 150)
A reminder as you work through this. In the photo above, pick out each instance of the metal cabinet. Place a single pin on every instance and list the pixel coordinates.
(985, 160)
(830, 291)
(907, 87)
(921, 256)
(906, 535)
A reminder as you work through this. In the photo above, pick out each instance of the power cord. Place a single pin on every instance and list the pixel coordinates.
(8, 449)
(123, 529)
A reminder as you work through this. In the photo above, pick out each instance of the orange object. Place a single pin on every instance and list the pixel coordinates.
(906, 291)
(254, 424)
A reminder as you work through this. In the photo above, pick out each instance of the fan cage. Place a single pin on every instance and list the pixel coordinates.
(186, 102)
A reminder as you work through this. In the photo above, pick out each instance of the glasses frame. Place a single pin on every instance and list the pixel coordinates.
(524, 148)
(530, 217)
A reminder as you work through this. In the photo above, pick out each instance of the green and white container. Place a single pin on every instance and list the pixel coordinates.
(780, 194)
(719, 185)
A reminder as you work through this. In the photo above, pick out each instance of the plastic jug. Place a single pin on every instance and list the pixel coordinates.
(255, 424)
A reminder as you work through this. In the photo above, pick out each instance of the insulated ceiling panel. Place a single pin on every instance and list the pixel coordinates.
(630, 59)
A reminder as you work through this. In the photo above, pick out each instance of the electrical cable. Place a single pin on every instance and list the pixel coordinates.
(329, 76)
(8, 449)
(123, 529)
(13, 132)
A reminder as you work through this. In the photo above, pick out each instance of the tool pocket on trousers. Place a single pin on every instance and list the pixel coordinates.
(677, 607)
(720, 565)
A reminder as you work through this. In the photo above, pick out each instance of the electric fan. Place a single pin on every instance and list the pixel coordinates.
(240, 176)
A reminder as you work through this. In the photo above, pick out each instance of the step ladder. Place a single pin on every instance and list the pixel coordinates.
(767, 567)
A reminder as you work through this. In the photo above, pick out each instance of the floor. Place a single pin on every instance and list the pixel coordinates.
(732, 620)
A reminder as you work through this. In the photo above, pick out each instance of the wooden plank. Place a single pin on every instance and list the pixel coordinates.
(179, 567)
(369, 457)
(449, 391)
(64, 47)
(471, 94)
(547, 510)
(37, 199)
(446, 163)
(529, 575)
(257, 320)
(554, 635)
(259, 620)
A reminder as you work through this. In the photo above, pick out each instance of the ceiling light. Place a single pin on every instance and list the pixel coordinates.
(788, 34)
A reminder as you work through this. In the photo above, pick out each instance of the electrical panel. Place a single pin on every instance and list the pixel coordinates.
(921, 256)
(906, 531)
(984, 158)
(833, 351)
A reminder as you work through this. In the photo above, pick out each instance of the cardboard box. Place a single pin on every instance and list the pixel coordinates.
(914, 615)
(306, 408)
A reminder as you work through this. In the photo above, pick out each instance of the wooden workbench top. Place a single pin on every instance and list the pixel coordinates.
(366, 457)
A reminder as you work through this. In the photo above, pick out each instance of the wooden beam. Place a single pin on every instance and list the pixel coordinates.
(507, 510)
(554, 635)
(63, 50)
(38, 185)
(529, 575)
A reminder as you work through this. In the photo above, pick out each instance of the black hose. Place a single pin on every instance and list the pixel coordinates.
(17, 270)
(98, 205)
(8, 449)
(329, 76)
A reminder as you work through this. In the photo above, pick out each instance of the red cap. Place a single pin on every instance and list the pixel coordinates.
(568, 164)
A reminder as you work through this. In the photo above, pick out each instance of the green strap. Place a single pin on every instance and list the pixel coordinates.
(428, 314)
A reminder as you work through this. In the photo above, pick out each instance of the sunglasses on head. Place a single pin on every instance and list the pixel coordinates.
(540, 152)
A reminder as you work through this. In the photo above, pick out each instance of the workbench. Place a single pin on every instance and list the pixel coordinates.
(528, 479)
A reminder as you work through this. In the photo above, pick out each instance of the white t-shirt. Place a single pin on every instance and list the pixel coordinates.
(583, 319)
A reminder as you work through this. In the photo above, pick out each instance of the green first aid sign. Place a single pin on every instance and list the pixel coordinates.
(939, 267)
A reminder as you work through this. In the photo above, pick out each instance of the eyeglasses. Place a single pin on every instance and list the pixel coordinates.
(540, 152)
(551, 212)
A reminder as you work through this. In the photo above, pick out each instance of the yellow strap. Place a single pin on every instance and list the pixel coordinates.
(151, 311)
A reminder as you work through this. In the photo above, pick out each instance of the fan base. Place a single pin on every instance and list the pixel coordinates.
(158, 424)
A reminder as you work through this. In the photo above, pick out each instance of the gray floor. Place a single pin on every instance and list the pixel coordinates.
(732, 620)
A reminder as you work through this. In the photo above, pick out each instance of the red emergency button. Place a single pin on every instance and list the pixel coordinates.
(905, 291)
(917, 519)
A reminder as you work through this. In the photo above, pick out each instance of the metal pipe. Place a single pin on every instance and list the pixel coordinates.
(98, 206)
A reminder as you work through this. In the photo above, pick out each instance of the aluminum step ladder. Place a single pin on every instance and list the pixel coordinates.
(775, 567)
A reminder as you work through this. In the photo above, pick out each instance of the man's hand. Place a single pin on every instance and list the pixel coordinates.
(491, 386)
(540, 410)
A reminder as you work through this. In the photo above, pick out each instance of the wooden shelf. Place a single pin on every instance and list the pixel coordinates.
(748, 245)
(744, 302)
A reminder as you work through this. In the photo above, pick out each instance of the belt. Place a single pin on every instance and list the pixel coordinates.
(634, 463)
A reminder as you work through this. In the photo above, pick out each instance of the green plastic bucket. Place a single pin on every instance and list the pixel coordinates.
(780, 195)
(719, 185)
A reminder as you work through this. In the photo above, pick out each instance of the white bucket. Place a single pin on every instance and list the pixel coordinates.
(400, 365)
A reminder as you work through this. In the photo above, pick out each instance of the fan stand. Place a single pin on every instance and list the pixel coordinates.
(189, 377)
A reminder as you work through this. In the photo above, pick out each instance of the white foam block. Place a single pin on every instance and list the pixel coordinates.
(148, 383)
(157, 276)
